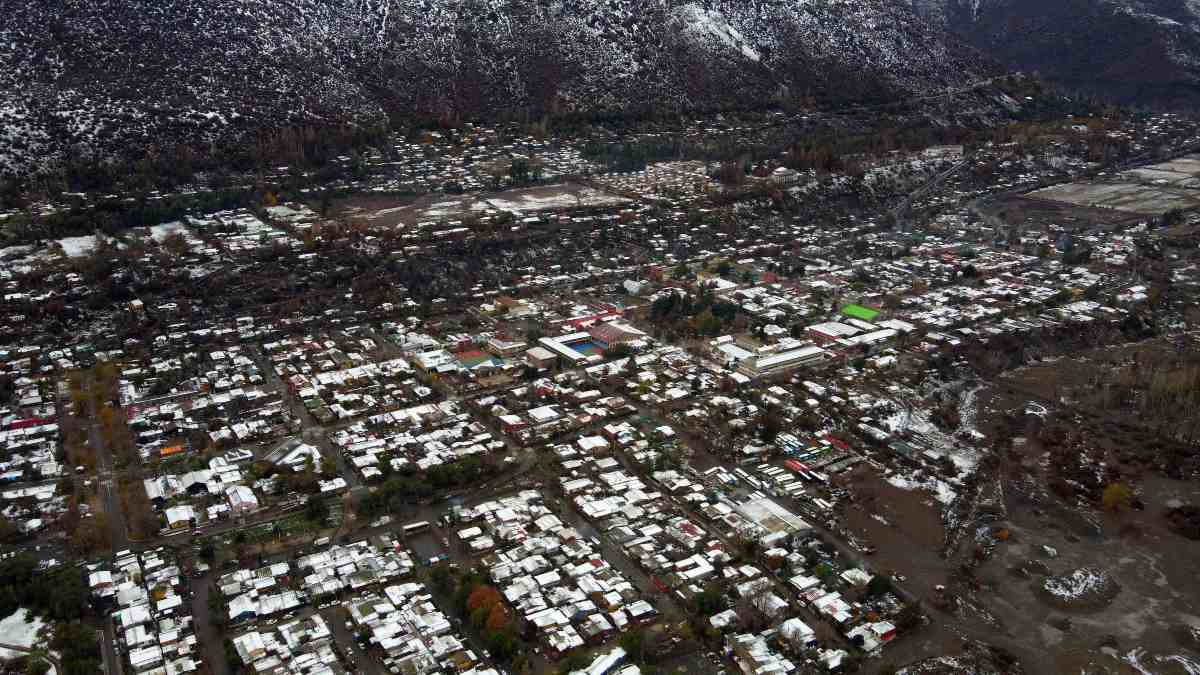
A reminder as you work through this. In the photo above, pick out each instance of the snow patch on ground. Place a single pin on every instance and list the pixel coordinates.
(1139, 661)
(940, 489)
(21, 629)
(1036, 409)
(940, 664)
(15, 251)
(20, 259)
(968, 413)
(77, 247)
(916, 421)
(518, 202)
(1134, 659)
(703, 22)
(1077, 584)
(1082, 589)
(527, 202)
(160, 232)
(1189, 665)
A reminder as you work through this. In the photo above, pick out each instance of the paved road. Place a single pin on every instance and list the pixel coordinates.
(106, 474)
(112, 659)
(313, 432)
(212, 644)
(363, 662)
(932, 183)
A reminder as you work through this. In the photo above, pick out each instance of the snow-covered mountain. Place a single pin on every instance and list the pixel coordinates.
(124, 76)
(1145, 51)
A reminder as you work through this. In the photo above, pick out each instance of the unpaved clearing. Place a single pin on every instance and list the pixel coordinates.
(386, 211)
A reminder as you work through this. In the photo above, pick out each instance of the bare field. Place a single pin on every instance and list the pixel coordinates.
(1153, 567)
(905, 526)
(1052, 579)
(385, 211)
(1148, 190)
(1125, 197)
(1137, 395)
(1022, 210)
(1168, 177)
(1052, 530)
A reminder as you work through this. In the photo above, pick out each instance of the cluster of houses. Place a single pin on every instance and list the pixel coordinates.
(282, 587)
(661, 537)
(668, 182)
(472, 158)
(338, 380)
(683, 529)
(795, 580)
(548, 408)
(30, 438)
(411, 634)
(304, 646)
(662, 375)
(241, 232)
(170, 429)
(370, 583)
(553, 345)
(202, 496)
(149, 605)
(195, 399)
(554, 578)
(188, 372)
(824, 589)
(414, 438)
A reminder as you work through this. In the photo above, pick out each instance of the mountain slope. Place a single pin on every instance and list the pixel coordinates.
(118, 76)
(1144, 51)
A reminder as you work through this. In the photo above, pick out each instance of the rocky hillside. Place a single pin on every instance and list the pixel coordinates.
(1138, 51)
(98, 77)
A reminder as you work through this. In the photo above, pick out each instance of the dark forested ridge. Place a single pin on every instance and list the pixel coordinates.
(1142, 52)
(140, 78)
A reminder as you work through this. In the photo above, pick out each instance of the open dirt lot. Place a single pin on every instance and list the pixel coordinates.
(1037, 213)
(1154, 568)
(1123, 596)
(1177, 172)
(1121, 196)
(1146, 626)
(386, 211)
(1148, 190)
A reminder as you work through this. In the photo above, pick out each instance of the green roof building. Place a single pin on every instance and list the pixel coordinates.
(860, 312)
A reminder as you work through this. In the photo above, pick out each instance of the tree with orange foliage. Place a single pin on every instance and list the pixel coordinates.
(498, 618)
(483, 597)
